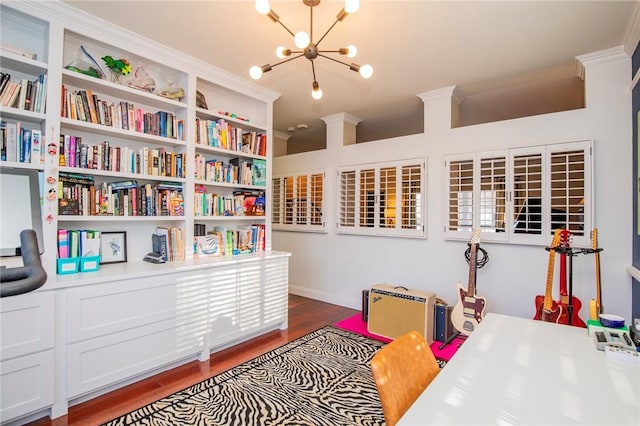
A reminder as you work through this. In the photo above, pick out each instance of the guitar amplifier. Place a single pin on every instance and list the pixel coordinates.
(394, 311)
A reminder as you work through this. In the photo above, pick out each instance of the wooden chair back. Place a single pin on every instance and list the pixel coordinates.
(402, 370)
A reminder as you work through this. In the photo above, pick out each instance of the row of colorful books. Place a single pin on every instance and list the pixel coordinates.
(24, 94)
(229, 242)
(241, 203)
(78, 194)
(74, 152)
(236, 171)
(84, 105)
(220, 134)
(20, 144)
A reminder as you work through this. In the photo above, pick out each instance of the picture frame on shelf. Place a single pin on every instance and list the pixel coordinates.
(113, 247)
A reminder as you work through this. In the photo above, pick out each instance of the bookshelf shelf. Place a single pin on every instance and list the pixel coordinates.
(226, 152)
(21, 64)
(243, 124)
(121, 175)
(98, 129)
(80, 218)
(108, 88)
(229, 218)
(21, 114)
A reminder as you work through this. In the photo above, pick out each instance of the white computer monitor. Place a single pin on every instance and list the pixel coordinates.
(20, 208)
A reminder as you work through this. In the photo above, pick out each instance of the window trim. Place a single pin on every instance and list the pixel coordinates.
(509, 236)
(280, 204)
(376, 230)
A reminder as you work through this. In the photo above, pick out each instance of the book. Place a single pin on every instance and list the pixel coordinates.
(259, 170)
(63, 243)
(12, 142)
(37, 150)
(208, 245)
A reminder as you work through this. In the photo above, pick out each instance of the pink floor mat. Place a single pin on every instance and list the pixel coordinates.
(357, 325)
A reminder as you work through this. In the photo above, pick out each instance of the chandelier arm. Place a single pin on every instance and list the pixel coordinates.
(287, 60)
(313, 70)
(327, 32)
(334, 60)
(285, 27)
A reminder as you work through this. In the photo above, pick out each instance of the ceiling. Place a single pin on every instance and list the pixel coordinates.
(413, 46)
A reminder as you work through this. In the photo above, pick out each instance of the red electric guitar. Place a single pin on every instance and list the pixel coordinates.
(546, 308)
(469, 309)
(564, 296)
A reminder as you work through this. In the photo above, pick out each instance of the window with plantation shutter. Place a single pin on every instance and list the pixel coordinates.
(298, 202)
(460, 195)
(383, 199)
(521, 195)
(347, 201)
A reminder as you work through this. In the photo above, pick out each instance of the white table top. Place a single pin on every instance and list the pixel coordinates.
(518, 371)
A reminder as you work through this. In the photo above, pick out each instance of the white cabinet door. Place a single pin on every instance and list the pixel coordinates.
(27, 366)
(248, 298)
(26, 384)
(119, 330)
(26, 324)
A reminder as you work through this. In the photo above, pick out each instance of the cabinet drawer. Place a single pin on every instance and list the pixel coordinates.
(97, 363)
(26, 384)
(26, 324)
(95, 311)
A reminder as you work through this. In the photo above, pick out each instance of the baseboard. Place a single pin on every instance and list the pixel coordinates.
(353, 303)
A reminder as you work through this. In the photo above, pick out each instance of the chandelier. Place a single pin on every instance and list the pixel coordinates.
(308, 47)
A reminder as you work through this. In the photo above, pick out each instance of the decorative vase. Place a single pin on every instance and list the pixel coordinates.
(116, 77)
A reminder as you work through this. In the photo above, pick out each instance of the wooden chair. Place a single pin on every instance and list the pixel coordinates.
(402, 370)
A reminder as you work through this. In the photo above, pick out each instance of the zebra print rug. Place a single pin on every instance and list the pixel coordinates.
(323, 378)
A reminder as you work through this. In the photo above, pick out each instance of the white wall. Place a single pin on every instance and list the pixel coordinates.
(335, 268)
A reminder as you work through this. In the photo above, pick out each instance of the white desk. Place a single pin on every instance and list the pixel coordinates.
(518, 371)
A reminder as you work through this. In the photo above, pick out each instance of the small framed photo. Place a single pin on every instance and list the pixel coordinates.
(113, 247)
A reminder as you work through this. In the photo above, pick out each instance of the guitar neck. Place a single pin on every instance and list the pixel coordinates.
(471, 288)
(564, 242)
(548, 297)
(597, 261)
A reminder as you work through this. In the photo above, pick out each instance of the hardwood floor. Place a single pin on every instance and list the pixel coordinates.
(305, 316)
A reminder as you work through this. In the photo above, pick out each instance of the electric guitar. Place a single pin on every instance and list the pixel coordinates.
(546, 308)
(469, 309)
(564, 296)
(595, 305)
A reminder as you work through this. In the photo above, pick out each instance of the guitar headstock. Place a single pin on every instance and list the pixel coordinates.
(556, 238)
(475, 236)
(594, 238)
(565, 237)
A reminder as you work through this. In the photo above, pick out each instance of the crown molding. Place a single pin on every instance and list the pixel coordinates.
(601, 56)
(343, 117)
(632, 37)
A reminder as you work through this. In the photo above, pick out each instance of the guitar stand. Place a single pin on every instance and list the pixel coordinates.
(449, 340)
(570, 252)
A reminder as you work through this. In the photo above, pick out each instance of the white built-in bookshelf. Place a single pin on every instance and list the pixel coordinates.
(132, 161)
